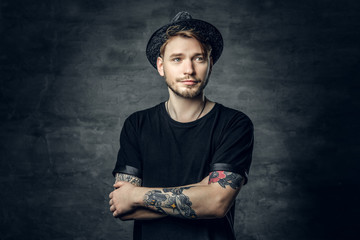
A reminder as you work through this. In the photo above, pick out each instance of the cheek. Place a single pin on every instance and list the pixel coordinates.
(170, 72)
(204, 70)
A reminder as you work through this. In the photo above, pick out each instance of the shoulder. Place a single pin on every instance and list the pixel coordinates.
(138, 117)
(233, 117)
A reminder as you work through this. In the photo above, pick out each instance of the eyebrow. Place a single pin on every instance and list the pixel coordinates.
(176, 55)
(181, 54)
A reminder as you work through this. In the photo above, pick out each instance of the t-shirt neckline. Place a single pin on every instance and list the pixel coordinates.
(187, 124)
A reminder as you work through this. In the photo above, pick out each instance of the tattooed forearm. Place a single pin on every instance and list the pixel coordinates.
(171, 200)
(128, 178)
(224, 178)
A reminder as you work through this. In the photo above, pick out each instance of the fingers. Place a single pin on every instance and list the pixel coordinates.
(119, 184)
(112, 208)
(114, 214)
(111, 196)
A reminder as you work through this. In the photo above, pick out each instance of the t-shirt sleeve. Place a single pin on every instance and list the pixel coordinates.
(234, 151)
(129, 156)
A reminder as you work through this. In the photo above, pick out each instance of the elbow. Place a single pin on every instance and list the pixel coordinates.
(219, 213)
(220, 208)
(217, 202)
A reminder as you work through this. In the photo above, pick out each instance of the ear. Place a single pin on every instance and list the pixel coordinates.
(160, 66)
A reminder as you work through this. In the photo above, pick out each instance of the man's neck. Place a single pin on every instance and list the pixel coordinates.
(187, 109)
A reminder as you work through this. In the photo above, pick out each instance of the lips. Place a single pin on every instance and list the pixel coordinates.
(189, 82)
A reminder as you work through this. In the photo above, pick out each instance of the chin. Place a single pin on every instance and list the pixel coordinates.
(188, 94)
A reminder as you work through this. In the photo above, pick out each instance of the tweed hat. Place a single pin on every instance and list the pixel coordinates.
(185, 21)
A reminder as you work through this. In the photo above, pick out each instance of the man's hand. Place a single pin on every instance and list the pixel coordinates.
(116, 201)
(121, 201)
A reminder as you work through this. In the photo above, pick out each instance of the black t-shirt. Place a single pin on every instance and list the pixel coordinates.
(167, 153)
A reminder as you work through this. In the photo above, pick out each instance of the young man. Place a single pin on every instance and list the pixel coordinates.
(182, 163)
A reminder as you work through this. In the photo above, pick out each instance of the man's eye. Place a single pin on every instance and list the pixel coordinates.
(176, 59)
(200, 59)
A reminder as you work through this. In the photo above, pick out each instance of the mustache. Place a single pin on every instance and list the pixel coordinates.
(187, 78)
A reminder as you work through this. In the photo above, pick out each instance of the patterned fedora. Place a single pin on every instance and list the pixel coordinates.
(184, 20)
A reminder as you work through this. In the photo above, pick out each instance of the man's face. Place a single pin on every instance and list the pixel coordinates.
(184, 66)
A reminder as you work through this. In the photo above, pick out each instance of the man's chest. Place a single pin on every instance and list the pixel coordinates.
(173, 157)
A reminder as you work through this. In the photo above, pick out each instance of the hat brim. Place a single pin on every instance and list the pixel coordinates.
(211, 35)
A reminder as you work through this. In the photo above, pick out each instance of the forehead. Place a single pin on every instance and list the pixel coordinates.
(183, 45)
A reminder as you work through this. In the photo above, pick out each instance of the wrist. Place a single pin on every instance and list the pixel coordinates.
(138, 196)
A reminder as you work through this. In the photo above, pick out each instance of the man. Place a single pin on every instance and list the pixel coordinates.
(182, 163)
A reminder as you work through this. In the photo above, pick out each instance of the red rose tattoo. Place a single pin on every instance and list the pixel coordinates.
(224, 179)
(216, 176)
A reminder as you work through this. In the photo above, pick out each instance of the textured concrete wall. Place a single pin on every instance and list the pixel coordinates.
(72, 71)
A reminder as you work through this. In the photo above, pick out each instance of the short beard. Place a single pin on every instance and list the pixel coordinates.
(188, 94)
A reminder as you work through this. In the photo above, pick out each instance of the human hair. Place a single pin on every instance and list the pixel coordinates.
(186, 33)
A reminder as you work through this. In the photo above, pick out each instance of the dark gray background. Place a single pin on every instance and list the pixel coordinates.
(72, 71)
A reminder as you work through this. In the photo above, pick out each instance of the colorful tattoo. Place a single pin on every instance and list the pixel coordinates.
(224, 178)
(171, 199)
(128, 178)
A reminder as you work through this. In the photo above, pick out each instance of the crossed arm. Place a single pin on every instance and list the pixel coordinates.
(210, 198)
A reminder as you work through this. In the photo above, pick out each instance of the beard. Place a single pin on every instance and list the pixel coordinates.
(191, 91)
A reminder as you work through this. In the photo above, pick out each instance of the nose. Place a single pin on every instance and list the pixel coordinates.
(188, 67)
